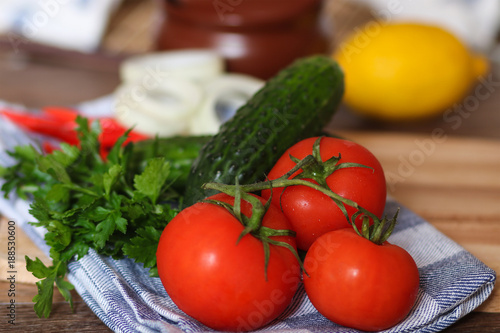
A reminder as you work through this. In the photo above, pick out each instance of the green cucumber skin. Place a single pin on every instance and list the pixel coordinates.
(292, 106)
(180, 151)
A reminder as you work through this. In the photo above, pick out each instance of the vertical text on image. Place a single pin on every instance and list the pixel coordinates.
(11, 271)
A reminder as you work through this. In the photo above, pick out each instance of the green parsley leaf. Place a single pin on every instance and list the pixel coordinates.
(58, 192)
(110, 178)
(55, 164)
(104, 230)
(24, 178)
(118, 153)
(61, 232)
(3, 171)
(49, 276)
(142, 248)
(151, 181)
(43, 300)
(37, 268)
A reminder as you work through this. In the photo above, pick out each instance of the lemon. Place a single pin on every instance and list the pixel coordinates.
(404, 71)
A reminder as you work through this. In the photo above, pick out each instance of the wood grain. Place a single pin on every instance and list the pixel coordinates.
(23, 247)
(476, 323)
(63, 319)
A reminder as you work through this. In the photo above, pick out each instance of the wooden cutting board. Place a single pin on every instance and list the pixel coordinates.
(454, 183)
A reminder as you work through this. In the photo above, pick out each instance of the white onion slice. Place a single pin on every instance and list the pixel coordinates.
(230, 89)
(193, 64)
(164, 111)
(179, 92)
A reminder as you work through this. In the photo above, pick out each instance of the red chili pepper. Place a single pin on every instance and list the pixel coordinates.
(112, 130)
(48, 147)
(60, 123)
(41, 124)
(61, 113)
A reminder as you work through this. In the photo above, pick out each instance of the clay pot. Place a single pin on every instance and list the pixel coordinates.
(256, 37)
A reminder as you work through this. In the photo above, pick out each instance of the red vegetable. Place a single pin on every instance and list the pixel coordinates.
(59, 123)
(219, 280)
(359, 284)
(45, 124)
(313, 213)
(61, 114)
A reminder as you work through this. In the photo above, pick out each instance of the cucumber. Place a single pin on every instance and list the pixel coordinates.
(180, 151)
(297, 103)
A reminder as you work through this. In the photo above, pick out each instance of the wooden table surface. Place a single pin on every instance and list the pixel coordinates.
(454, 183)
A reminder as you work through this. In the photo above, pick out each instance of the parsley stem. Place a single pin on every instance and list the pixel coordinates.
(81, 190)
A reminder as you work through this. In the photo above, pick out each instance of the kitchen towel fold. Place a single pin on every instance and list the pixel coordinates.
(120, 292)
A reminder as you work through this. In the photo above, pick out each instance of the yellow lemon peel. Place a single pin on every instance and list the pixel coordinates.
(405, 71)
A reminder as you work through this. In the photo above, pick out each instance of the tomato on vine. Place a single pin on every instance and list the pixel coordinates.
(359, 279)
(346, 168)
(229, 265)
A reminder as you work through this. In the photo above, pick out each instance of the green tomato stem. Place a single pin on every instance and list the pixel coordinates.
(312, 167)
(285, 182)
(253, 224)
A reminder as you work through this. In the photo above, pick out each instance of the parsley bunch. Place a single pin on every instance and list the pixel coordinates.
(86, 202)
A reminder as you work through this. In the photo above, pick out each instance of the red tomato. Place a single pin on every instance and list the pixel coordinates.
(218, 282)
(311, 212)
(358, 284)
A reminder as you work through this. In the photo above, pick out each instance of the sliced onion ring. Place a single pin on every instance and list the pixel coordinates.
(194, 64)
(162, 111)
(235, 89)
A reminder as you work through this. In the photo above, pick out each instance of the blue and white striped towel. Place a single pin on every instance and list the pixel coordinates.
(452, 281)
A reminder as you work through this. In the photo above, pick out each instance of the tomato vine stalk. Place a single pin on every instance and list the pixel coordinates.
(253, 224)
(312, 167)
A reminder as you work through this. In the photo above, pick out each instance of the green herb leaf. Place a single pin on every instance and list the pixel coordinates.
(110, 178)
(117, 153)
(57, 193)
(104, 230)
(49, 276)
(62, 233)
(37, 268)
(3, 171)
(142, 247)
(151, 181)
(24, 178)
(55, 164)
(43, 300)
(64, 288)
